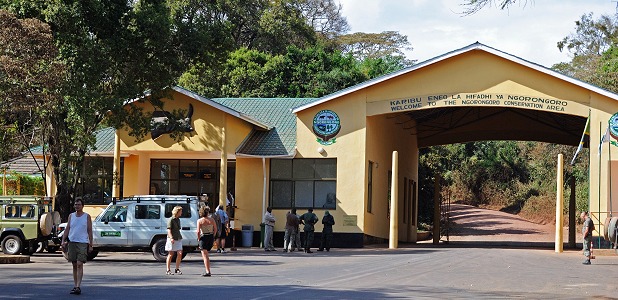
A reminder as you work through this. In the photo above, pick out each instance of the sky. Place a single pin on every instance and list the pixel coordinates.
(530, 30)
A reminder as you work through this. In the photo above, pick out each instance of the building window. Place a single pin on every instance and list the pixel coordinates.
(369, 186)
(194, 177)
(303, 183)
(97, 179)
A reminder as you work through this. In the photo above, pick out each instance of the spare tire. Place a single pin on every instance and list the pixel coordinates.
(46, 223)
(612, 229)
(56, 218)
(605, 228)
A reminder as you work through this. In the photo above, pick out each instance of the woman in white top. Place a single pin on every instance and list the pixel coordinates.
(206, 231)
(79, 232)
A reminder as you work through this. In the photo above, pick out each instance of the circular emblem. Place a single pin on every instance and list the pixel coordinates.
(326, 125)
(613, 125)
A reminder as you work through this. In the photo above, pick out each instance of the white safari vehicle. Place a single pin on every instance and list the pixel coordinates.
(139, 223)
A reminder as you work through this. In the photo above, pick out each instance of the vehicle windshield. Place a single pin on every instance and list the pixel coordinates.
(115, 213)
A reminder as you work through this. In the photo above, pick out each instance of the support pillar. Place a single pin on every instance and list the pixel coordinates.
(223, 165)
(116, 168)
(393, 237)
(572, 214)
(559, 202)
(436, 210)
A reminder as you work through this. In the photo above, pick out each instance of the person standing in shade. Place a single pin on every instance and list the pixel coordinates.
(222, 229)
(79, 232)
(327, 231)
(291, 231)
(587, 230)
(206, 230)
(174, 241)
(309, 219)
(269, 222)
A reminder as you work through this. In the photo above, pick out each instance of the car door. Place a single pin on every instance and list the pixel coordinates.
(188, 222)
(110, 229)
(147, 222)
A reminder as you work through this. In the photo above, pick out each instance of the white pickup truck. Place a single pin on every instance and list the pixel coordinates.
(139, 223)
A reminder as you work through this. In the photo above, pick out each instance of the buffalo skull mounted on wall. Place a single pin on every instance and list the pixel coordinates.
(163, 122)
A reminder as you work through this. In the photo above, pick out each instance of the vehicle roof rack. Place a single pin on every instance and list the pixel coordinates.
(156, 198)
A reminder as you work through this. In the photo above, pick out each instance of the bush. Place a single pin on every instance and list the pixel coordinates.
(19, 184)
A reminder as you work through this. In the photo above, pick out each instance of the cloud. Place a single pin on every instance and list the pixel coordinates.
(435, 27)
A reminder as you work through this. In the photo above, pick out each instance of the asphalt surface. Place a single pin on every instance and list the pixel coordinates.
(410, 272)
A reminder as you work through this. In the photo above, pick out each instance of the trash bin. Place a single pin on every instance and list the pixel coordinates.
(247, 236)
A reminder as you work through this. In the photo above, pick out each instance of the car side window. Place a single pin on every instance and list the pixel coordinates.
(115, 213)
(147, 212)
(186, 210)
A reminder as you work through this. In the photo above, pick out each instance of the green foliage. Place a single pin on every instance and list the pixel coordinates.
(19, 184)
(308, 72)
(517, 177)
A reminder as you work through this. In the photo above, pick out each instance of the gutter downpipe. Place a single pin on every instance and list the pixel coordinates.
(265, 179)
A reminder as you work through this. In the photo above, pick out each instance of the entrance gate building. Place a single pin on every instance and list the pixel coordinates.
(335, 153)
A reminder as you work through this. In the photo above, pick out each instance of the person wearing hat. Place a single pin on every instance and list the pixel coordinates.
(327, 232)
(308, 219)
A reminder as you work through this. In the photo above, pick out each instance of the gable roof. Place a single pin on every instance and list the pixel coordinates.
(217, 105)
(280, 139)
(473, 47)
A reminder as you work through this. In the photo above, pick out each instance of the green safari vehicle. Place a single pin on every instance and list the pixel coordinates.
(26, 223)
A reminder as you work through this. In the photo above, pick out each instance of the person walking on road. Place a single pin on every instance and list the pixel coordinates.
(206, 230)
(222, 229)
(79, 232)
(587, 230)
(309, 219)
(269, 222)
(291, 231)
(327, 232)
(174, 241)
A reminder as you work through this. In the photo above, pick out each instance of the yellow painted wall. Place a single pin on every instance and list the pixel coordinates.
(384, 136)
(249, 196)
(349, 150)
(204, 142)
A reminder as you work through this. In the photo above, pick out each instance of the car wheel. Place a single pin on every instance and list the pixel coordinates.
(11, 245)
(158, 250)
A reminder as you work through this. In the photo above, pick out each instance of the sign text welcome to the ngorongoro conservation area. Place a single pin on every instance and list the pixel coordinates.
(476, 99)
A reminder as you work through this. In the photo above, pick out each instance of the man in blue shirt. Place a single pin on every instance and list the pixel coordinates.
(225, 221)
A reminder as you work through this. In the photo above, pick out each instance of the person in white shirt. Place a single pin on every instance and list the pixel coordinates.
(79, 232)
(269, 222)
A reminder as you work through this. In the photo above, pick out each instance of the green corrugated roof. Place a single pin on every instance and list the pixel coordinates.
(276, 112)
(103, 146)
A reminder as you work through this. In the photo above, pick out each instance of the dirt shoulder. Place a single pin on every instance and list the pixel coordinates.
(471, 223)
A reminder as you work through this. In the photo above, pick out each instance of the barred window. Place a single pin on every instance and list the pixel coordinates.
(303, 183)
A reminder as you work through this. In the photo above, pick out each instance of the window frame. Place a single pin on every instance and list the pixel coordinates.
(323, 169)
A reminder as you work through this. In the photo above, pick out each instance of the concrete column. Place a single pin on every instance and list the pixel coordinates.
(572, 213)
(559, 202)
(436, 210)
(50, 181)
(116, 168)
(393, 238)
(223, 170)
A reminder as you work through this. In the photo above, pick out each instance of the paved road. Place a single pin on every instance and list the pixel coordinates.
(413, 271)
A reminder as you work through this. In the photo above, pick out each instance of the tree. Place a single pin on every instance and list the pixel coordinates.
(374, 45)
(30, 76)
(113, 51)
(324, 16)
(591, 47)
(474, 6)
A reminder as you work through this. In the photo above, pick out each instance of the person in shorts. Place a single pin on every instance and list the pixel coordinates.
(174, 241)
(206, 231)
(79, 243)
